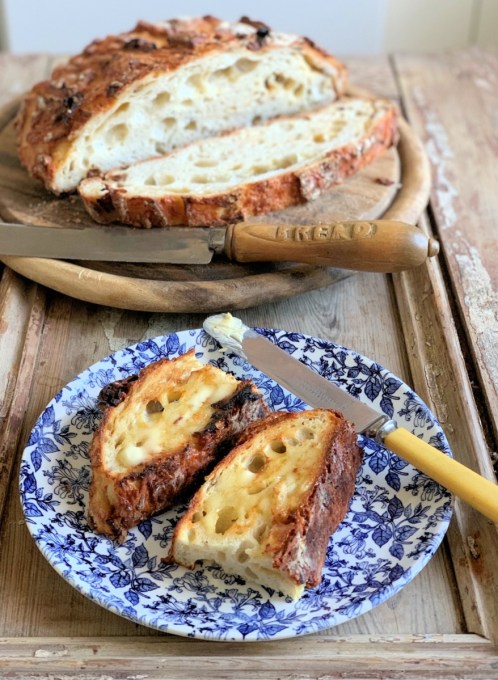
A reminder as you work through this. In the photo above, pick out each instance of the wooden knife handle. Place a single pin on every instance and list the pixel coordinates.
(373, 245)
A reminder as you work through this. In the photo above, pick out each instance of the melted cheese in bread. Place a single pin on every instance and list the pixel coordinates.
(164, 415)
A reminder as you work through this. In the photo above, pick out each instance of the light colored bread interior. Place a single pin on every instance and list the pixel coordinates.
(252, 154)
(236, 517)
(218, 92)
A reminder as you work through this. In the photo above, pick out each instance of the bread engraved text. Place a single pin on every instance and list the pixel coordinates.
(342, 231)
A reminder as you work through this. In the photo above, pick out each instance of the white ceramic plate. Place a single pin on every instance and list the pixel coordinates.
(397, 517)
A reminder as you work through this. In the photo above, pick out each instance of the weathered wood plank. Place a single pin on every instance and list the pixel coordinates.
(452, 101)
(404, 656)
(441, 379)
(21, 318)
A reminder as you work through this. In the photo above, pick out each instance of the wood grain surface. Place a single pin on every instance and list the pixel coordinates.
(444, 623)
(395, 185)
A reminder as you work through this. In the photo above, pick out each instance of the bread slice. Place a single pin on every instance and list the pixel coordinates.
(267, 511)
(161, 432)
(141, 93)
(246, 172)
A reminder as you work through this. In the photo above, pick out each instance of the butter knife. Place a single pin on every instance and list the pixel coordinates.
(316, 391)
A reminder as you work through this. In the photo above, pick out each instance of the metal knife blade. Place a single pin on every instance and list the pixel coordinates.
(292, 374)
(175, 245)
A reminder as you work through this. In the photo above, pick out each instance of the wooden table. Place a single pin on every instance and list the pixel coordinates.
(436, 327)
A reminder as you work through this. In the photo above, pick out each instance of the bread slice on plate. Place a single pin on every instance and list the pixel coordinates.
(161, 432)
(139, 94)
(267, 510)
(249, 171)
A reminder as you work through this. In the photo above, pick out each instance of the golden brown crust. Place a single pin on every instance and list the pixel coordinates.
(251, 198)
(151, 487)
(54, 111)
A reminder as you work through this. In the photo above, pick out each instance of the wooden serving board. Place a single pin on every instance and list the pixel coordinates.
(395, 186)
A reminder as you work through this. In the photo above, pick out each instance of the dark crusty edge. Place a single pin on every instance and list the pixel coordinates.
(319, 515)
(55, 110)
(284, 189)
(150, 488)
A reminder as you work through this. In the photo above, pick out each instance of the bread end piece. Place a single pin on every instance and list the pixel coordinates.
(267, 511)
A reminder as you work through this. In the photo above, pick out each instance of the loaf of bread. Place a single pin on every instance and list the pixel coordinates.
(160, 433)
(283, 162)
(139, 94)
(267, 510)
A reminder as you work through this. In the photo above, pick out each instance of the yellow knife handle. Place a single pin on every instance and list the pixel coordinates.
(363, 245)
(475, 490)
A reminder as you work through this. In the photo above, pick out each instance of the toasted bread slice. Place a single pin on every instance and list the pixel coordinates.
(144, 92)
(288, 160)
(267, 510)
(160, 433)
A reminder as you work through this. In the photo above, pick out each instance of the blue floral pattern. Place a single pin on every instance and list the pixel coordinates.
(397, 518)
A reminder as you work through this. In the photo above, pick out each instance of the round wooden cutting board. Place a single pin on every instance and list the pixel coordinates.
(395, 186)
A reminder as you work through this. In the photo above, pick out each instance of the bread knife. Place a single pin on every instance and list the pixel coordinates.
(375, 245)
(318, 392)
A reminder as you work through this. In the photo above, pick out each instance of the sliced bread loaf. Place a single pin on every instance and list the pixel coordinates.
(267, 510)
(142, 93)
(161, 432)
(246, 172)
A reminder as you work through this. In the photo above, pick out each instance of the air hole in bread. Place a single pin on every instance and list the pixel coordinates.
(205, 163)
(150, 181)
(259, 169)
(277, 446)
(201, 179)
(121, 109)
(161, 99)
(256, 120)
(299, 90)
(166, 179)
(286, 162)
(226, 517)
(174, 395)
(270, 83)
(259, 532)
(191, 126)
(241, 553)
(246, 65)
(319, 138)
(117, 134)
(257, 463)
(221, 73)
(169, 122)
(197, 516)
(154, 406)
(197, 82)
(255, 489)
(160, 148)
(304, 434)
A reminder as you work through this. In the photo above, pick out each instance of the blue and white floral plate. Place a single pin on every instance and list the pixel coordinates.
(397, 518)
